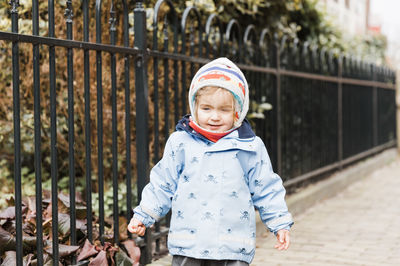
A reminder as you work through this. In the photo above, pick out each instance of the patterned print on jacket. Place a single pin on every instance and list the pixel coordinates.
(213, 190)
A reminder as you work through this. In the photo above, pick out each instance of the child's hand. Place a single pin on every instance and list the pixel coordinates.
(283, 240)
(136, 227)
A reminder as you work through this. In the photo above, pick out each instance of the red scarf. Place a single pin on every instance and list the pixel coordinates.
(212, 136)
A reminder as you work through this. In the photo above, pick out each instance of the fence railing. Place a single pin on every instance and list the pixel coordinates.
(328, 109)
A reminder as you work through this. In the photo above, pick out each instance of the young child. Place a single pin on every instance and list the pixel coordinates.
(213, 174)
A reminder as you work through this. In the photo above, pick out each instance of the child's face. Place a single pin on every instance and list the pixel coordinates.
(215, 110)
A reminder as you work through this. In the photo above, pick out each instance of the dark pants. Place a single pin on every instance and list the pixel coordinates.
(187, 261)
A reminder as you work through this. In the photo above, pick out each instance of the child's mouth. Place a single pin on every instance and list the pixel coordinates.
(214, 127)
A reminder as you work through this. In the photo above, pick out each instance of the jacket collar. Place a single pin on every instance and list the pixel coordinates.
(245, 131)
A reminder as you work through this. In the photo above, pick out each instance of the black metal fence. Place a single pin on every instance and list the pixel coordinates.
(328, 109)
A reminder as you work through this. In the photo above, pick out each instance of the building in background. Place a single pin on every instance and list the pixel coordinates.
(384, 18)
(352, 16)
(362, 17)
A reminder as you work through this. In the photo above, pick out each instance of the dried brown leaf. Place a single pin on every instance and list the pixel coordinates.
(133, 250)
(111, 250)
(100, 259)
(28, 259)
(64, 250)
(64, 224)
(122, 259)
(7, 240)
(87, 251)
(8, 213)
(10, 258)
(30, 202)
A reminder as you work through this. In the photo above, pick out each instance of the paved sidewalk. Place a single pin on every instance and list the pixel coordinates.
(359, 226)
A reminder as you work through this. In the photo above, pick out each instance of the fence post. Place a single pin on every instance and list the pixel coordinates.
(17, 134)
(100, 156)
(53, 135)
(37, 135)
(374, 109)
(141, 90)
(398, 108)
(114, 145)
(340, 111)
(71, 125)
(277, 51)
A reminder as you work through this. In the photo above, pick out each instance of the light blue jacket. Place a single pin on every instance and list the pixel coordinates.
(213, 190)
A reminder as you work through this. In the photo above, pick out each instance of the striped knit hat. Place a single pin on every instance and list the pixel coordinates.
(222, 73)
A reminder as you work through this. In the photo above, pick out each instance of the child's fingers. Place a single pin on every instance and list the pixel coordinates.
(283, 240)
(287, 241)
(280, 246)
(138, 231)
(136, 227)
(141, 231)
(132, 229)
(281, 237)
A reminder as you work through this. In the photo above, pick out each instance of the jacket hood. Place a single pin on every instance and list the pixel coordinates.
(245, 131)
(222, 73)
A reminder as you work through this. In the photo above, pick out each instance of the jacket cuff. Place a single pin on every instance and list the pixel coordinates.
(145, 218)
(282, 222)
(284, 228)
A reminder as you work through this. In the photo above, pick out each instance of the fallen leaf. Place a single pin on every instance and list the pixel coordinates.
(63, 250)
(8, 213)
(81, 211)
(106, 246)
(31, 217)
(47, 214)
(111, 250)
(28, 228)
(10, 258)
(30, 202)
(81, 263)
(133, 250)
(63, 203)
(122, 259)
(29, 243)
(28, 259)
(64, 224)
(81, 225)
(64, 199)
(10, 201)
(9, 226)
(7, 240)
(87, 251)
(100, 259)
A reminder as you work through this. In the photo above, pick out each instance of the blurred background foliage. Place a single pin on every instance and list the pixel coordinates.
(302, 19)
(294, 18)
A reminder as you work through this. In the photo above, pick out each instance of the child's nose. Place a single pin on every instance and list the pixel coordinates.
(215, 115)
